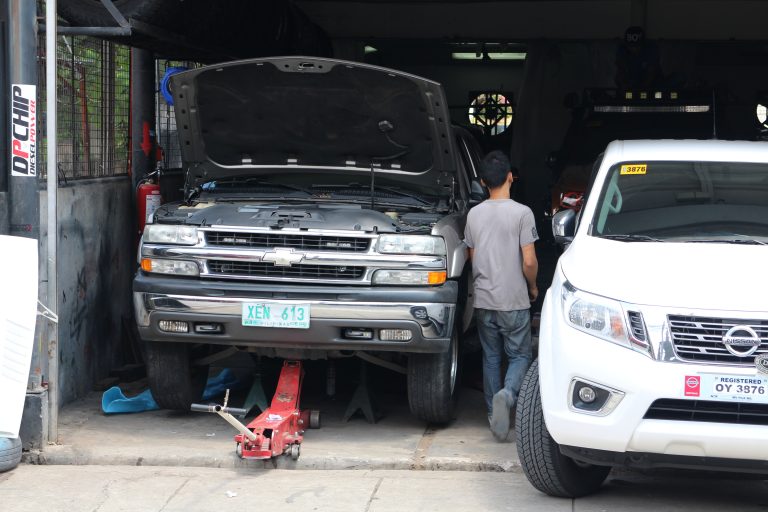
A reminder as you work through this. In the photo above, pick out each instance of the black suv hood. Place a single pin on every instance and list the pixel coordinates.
(310, 116)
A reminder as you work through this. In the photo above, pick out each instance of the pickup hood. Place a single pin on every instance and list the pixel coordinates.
(312, 116)
(696, 275)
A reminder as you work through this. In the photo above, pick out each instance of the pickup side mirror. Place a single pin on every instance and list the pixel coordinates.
(477, 192)
(564, 226)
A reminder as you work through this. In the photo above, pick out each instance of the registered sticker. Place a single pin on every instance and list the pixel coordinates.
(734, 388)
(634, 169)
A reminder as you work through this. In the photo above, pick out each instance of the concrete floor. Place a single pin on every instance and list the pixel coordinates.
(397, 441)
(145, 489)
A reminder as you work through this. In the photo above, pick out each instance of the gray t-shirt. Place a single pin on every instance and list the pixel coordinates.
(496, 230)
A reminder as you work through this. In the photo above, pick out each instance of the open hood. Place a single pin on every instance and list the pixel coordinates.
(316, 117)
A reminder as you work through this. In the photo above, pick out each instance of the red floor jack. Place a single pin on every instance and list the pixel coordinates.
(280, 428)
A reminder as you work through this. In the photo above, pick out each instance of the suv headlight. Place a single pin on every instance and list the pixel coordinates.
(411, 244)
(172, 267)
(409, 277)
(168, 234)
(594, 315)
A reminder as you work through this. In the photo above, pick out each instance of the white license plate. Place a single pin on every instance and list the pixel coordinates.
(273, 314)
(735, 388)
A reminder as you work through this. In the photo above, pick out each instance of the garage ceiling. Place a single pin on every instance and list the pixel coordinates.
(539, 19)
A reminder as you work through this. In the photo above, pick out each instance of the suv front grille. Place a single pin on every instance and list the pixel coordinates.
(700, 339)
(301, 242)
(708, 411)
(269, 270)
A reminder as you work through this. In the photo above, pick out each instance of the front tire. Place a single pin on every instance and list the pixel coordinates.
(175, 382)
(433, 383)
(10, 453)
(546, 468)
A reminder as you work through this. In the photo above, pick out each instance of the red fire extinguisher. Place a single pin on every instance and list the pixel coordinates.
(148, 198)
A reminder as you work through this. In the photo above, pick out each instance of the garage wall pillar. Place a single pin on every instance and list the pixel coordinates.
(3, 116)
(142, 114)
(23, 188)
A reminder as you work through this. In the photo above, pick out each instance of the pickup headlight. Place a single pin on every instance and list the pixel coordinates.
(409, 277)
(594, 315)
(171, 267)
(167, 234)
(411, 244)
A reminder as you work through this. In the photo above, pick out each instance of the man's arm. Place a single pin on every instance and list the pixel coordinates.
(471, 253)
(530, 269)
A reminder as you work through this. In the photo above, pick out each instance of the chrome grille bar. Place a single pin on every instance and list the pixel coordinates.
(292, 241)
(699, 339)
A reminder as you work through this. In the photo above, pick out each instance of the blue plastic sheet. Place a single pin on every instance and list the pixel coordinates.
(113, 401)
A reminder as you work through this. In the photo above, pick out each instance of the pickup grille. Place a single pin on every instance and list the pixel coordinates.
(269, 270)
(302, 242)
(708, 411)
(700, 339)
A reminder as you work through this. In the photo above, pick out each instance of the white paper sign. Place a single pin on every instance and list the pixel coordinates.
(18, 314)
(23, 130)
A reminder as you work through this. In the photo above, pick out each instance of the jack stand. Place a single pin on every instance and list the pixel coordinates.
(363, 400)
(256, 396)
(277, 430)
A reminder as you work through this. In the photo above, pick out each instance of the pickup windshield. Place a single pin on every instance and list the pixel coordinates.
(725, 202)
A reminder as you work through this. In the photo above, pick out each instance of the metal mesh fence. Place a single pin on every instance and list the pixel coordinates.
(93, 105)
(167, 137)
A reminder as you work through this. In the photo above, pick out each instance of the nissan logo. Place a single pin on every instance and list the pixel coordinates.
(741, 340)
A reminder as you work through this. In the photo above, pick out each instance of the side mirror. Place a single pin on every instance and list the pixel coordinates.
(564, 226)
(477, 192)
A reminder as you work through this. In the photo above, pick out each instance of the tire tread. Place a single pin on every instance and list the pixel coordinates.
(545, 467)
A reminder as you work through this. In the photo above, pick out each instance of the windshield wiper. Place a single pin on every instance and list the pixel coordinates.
(400, 193)
(211, 185)
(744, 241)
(632, 238)
(340, 190)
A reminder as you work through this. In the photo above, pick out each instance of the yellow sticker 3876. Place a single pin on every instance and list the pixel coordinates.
(634, 169)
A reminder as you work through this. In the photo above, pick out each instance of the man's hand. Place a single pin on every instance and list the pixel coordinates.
(533, 294)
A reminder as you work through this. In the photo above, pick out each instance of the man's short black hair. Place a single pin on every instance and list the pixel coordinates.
(494, 169)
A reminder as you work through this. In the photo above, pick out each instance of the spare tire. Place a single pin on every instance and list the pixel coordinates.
(10, 453)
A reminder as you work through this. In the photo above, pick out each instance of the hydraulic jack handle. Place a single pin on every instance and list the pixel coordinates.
(227, 413)
(216, 408)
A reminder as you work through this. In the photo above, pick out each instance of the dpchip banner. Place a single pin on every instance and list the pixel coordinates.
(23, 130)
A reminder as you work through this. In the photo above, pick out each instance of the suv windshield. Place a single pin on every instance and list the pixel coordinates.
(684, 202)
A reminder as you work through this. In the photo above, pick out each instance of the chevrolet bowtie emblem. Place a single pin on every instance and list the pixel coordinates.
(282, 257)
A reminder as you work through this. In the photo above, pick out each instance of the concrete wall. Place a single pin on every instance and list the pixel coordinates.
(96, 263)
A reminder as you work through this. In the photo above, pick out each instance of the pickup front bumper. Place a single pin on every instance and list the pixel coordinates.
(427, 312)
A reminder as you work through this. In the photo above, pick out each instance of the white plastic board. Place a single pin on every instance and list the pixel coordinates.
(18, 313)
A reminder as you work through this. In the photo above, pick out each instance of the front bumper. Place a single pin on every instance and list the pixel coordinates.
(333, 309)
(566, 354)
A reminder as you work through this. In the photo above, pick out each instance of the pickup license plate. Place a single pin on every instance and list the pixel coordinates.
(273, 314)
(735, 388)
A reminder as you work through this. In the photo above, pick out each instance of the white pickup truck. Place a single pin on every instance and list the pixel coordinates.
(653, 350)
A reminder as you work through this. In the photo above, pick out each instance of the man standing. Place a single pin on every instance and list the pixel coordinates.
(500, 234)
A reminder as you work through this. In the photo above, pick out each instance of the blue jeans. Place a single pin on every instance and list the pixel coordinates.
(504, 332)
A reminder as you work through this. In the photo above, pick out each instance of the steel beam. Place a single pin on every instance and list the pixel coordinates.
(23, 186)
